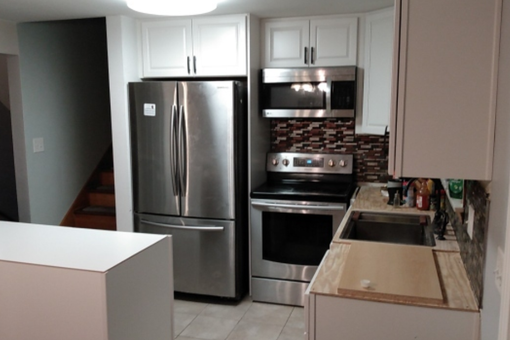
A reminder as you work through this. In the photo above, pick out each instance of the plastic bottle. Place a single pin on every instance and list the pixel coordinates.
(422, 197)
(396, 200)
(410, 197)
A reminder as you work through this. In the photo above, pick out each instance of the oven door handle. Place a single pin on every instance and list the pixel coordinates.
(276, 205)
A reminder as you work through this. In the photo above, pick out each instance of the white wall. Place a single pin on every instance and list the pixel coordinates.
(4, 82)
(123, 54)
(64, 82)
(498, 216)
(8, 38)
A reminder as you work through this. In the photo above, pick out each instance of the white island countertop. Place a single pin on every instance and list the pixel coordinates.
(73, 248)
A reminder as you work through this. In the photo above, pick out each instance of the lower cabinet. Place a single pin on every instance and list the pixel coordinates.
(329, 317)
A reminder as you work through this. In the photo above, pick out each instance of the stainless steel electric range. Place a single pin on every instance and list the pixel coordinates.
(294, 216)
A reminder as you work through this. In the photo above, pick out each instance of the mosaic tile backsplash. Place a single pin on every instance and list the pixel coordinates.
(472, 251)
(335, 135)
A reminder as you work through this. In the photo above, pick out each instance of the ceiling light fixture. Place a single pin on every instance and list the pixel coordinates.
(172, 7)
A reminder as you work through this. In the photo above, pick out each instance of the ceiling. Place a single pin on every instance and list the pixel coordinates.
(45, 10)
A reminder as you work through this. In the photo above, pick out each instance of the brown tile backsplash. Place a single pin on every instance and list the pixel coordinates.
(335, 135)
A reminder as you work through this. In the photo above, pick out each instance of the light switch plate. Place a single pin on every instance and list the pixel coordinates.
(38, 144)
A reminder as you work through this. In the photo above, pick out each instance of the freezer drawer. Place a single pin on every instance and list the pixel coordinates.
(204, 252)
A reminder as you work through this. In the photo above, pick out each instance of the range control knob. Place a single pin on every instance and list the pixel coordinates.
(331, 163)
(274, 161)
(285, 162)
(342, 163)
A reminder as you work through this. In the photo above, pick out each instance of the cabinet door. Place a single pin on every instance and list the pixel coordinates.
(378, 70)
(285, 43)
(333, 42)
(219, 46)
(446, 89)
(166, 46)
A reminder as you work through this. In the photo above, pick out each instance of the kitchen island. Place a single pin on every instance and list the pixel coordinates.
(64, 283)
(355, 314)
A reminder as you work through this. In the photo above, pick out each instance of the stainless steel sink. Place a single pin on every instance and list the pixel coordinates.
(389, 228)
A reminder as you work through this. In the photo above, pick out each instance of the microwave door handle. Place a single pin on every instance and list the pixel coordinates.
(329, 111)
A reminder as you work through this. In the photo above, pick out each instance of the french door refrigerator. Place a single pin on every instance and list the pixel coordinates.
(189, 163)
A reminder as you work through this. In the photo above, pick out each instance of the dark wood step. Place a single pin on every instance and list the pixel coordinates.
(95, 217)
(106, 177)
(102, 196)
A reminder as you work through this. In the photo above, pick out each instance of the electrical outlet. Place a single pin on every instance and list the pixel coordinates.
(38, 144)
(498, 272)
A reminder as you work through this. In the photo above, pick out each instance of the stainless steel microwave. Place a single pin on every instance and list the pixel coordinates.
(309, 92)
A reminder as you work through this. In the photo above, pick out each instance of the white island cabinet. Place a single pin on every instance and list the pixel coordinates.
(63, 283)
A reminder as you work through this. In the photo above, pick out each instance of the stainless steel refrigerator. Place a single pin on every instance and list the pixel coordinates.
(189, 162)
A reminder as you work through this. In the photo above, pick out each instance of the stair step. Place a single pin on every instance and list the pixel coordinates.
(106, 177)
(96, 210)
(94, 221)
(102, 196)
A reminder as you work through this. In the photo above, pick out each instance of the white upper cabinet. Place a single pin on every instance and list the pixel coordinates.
(379, 31)
(445, 83)
(214, 46)
(313, 43)
(219, 45)
(166, 47)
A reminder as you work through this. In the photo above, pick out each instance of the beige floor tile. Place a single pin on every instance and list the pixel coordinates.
(246, 330)
(205, 327)
(187, 338)
(189, 307)
(267, 313)
(292, 333)
(230, 311)
(297, 318)
(181, 321)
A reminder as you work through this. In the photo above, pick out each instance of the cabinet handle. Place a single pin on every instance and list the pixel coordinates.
(311, 55)
(194, 64)
(306, 55)
(189, 71)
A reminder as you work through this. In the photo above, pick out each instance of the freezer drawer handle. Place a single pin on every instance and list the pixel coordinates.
(299, 206)
(173, 226)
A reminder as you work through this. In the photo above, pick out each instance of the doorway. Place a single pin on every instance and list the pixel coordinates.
(8, 194)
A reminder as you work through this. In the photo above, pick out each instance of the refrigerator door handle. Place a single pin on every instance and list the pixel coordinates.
(173, 152)
(181, 227)
(182, 150)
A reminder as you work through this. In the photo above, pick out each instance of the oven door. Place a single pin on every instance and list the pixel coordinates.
(290, 238)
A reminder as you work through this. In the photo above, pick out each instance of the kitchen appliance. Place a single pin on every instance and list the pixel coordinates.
(309, 92)
(294, 216)
(189, 148)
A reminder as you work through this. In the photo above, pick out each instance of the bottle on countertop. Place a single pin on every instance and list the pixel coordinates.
(396, 200)
(442, 201)
(410, 197)
(422, 196)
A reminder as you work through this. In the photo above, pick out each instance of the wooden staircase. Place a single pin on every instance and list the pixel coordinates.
(94, 208)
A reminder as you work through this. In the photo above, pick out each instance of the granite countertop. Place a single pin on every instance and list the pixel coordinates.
(455, 285)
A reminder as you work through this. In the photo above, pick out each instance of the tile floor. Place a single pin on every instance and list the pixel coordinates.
(245, 320)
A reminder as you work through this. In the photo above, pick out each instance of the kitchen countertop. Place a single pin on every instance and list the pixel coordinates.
(454, 282)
